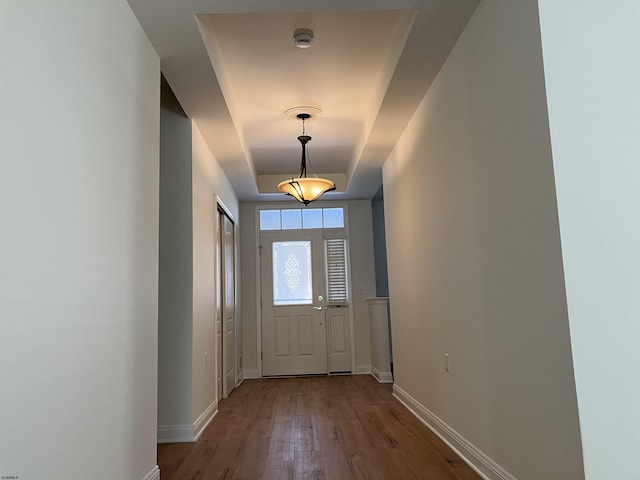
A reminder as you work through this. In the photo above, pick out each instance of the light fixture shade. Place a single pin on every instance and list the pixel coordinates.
(306, 189)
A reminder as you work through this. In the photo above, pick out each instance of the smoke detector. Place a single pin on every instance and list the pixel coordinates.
(303, 37)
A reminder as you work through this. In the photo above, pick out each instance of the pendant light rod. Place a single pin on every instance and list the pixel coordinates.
(304, 189)
(303, 139)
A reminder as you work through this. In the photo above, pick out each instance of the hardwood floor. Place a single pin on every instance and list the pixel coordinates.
(333, 428)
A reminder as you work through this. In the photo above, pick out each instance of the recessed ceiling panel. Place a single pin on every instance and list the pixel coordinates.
(344, 73)
(235, 69)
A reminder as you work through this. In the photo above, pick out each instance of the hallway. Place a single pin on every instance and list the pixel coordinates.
(338, 428)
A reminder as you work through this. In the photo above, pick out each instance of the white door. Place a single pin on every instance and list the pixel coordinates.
(228, 304)
(219, 296)
(294, 331)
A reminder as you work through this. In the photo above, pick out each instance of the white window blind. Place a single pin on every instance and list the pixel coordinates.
(336, 271)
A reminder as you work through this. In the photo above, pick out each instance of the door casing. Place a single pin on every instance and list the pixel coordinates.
(348, 310)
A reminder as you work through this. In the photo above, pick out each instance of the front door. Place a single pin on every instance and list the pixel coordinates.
(294, 331)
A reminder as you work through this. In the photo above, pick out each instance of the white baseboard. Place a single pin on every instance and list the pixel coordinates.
(251, 374)
(381, 377)
(187, 433)
(362, 370)
(176, 434)
(154, 474)
(239, 378)
(203, 420)
(472, 456)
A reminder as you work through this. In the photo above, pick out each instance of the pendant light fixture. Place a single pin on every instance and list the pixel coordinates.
(306, 189)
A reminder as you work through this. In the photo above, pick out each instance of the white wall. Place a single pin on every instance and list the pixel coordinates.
(249, 267)
(78, 241)
(204, 298)
(474, 257)
(208, 183)
(380, 247)
(175, 305)
(362, 277)
(592, 73)
(363, 280)
(191, 183)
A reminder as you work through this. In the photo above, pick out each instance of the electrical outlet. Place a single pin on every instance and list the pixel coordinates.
(446, 362)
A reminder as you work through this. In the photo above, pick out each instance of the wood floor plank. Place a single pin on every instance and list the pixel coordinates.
(252, 457)
(308, 465)
(317, 428)
(279, 464)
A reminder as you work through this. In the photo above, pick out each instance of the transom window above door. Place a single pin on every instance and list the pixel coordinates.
(301, 219)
